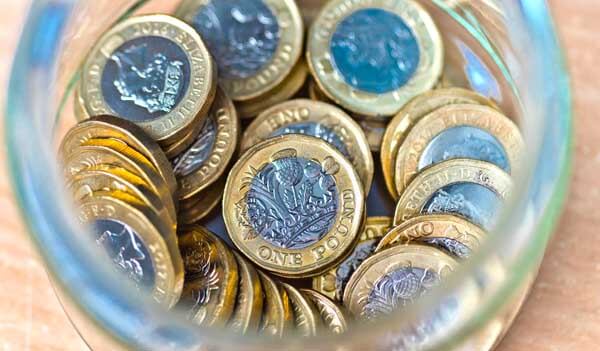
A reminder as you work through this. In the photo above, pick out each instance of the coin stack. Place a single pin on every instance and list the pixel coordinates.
(160, 145)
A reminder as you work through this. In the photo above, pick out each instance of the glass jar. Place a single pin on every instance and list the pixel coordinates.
(506, 50)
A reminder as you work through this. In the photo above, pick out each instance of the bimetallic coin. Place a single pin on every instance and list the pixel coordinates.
(294, 205)
(413, 112)
(79, 106)
(255, 43)
(110, 178)
(373, 56)
(96, 157)
(458, 131)
(332, 315)
(109, 127)
(317, 119)
(177, 147)
(284, 91)
(248, 309)
(211, 277)
(278, 316)
(395, 278)
(306, 316)
(207, 159)
(471, 189)
(195, 209)
(454, 235)
(154, 71)
(136, 246)
(332, 283)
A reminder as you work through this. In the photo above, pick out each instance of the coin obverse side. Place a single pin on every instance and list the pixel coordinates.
(109, 127)
(294, 205)
(249, 306)
(306, 316)
(458, 131)
(211, 281)
(454, 235)
(332, 316)
(333, 282)
(317, 119)
(152, 70)
(471, 189)
(135, 244)
(373, 56)
(208, 158)
(277, 319)
(409, 115)
(255, 43)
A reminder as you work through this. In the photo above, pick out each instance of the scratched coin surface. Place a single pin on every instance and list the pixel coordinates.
(306, 316)
(294, 205)
(277, 319)
(333, 317)
(139, 249)
(333, 282)
(373, 56)
(249, 306)
(458, 131)
(211, 278)
(207, 159)
(471, 189)
(320, 120)
(392, 279)
(451, 234)
(255, 43)
(109, 127)
(417, 108)
(152, 70)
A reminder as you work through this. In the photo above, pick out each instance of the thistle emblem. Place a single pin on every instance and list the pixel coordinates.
(150, 81)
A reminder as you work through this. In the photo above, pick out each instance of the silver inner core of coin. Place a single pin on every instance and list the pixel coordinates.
(194, 157)
(464, 142)
(451, 246)
(397, 289)
(342, 274)
(316, 130)
(292, 202)
(145, 78)
(127, 251)
(242, 36)
(472, 201)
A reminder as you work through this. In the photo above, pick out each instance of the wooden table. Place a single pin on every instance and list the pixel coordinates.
(562, 313)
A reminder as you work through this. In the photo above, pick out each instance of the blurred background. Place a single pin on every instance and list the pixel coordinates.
(562, 312)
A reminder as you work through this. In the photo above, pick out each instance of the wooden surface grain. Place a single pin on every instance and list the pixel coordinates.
(562, 313)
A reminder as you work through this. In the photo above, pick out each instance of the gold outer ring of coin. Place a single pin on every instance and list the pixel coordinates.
(110, 178)
(413, 112)
(109, 127)
(179, 146)
(193, 177)
(481, 117)
(308, 111)
(387, 261)
(331, 82)
(434, 226)
(327, 283)
(93, 157)
(211, 277)
(319, 256)
(249, 306)
(331, 314)
(284, 91)
(165, 257)
(278, 316)
(315, 92)
(289, 49)
(200, 206)
(307, 319)
(79, 105)
(449, 172)
(197, 99)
